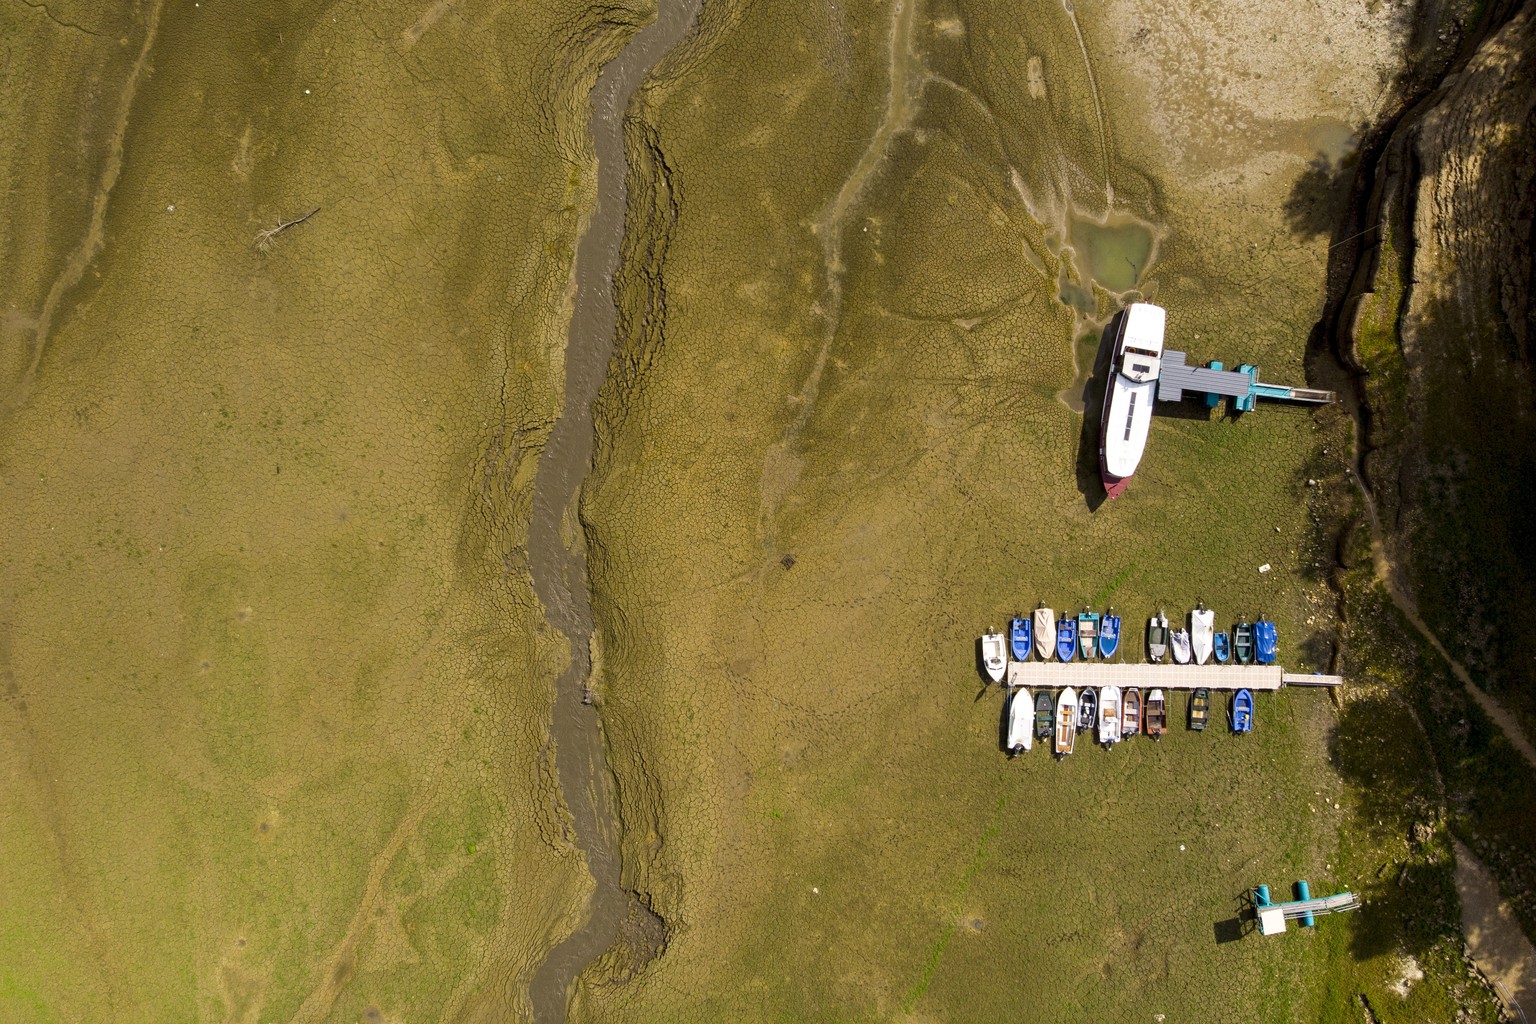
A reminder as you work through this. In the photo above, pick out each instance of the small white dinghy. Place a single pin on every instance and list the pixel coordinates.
(1109, 715)
(1179, 641)
(1045, 632)
(1021, 722)
(1202, 627)
(1066, 721)
(994, 656)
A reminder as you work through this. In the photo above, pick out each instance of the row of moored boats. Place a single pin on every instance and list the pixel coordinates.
(1108, 714)
(1090, 635)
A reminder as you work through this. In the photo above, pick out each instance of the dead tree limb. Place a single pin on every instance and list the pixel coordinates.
(265, 237)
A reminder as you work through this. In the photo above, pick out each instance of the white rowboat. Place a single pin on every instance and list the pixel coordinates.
(994, 656)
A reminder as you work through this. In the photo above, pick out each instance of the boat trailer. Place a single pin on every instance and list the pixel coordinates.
(1241, 387)
(1273, 916)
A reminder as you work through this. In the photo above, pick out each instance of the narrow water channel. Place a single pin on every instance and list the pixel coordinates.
(559, 567)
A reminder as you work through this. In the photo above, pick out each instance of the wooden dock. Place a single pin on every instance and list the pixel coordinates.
(1054, 675)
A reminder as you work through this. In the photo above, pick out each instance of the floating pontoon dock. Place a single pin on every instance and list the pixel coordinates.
(1273, 916)
(1242, 385)
(1054, 675)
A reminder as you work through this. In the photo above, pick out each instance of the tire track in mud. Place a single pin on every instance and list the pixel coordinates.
(781, 467)
(1098, 104)
(556, 553)
(96, 230)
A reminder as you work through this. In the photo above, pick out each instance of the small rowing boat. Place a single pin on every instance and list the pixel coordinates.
(1242, 642)
(1066, 721)
(1242, 712)
(1202, 625)
(1109, 634)
(1221, 648)
(1109, 715)
(1020, 724)
(1020, 637)
(1130, 713)
(1045, 710)
(1087, 708)
(1199, 709)
(1157, 637)
(1045, 632)
(1156, 714)
(994, 656)
(1088, 635)
(1066, 638)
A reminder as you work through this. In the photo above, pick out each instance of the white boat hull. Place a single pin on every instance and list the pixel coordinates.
(1129, 395)
(1109, 714)
(1021, 720)
(994, 656)
(1202, 628)
(1066, 721)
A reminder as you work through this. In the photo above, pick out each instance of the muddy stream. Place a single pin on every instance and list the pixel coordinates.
(556, 555)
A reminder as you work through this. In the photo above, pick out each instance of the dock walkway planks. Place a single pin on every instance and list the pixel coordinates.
(1054, 675)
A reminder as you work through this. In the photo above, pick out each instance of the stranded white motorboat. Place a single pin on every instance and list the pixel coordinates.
(1066, 721)
(994, 656)
(1021, 722)
(1157, 637)
(1129, 394)
(1109, 715)
(1045, 632)
(1202, 631)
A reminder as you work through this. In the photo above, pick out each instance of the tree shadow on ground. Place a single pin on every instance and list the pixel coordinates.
(1317, 201)
(1409, 897)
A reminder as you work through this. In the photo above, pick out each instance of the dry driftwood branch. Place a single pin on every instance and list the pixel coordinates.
(265, 237)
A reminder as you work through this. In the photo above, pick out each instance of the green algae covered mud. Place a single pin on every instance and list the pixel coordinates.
(275, 686)
(872, 245)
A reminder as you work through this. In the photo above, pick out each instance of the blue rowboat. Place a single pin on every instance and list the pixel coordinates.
(1221, 646)
(1264, 641)
(1066, 639)
(1109, 634)
(1242, 712)
(1019, 635)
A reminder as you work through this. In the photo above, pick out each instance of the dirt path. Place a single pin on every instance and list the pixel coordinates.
(1501, 950)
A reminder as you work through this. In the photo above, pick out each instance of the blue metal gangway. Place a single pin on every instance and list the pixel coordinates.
(1305, 908)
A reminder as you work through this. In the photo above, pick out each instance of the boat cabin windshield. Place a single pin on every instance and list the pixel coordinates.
(1142, 347)
(1140, 365)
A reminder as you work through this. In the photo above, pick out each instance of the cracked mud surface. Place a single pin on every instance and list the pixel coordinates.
(278, 656)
